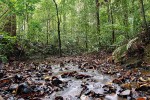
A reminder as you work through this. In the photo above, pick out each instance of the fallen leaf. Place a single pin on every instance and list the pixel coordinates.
(142, 98)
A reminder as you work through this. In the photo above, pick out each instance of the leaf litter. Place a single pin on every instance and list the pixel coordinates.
(89, 77)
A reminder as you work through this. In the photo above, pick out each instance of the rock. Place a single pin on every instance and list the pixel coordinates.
(109, 89)
(125, 93)
(1, 98)
(23, 88)
(59, 98)
(13, 88)
(144, 87)
(1, 74)
(56, 81)
(84, 97)
(111, 97)
(18, 77)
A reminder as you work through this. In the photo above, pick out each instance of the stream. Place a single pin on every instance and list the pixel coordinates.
(73, 89)
(70, 81)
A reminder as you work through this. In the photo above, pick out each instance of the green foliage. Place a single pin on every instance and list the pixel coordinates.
(6, 46)
(3, 58)
(120, 40)
(35, 31)
(37, 24)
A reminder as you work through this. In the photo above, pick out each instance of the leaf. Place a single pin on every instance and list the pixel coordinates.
(141, 98)
(13, 1)
(126, 85)
(143, 80)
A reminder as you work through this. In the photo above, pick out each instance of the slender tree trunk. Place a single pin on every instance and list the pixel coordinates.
(64, 17)
(26, 19)
(112, 23)
(125, 16)
(143, 15)
(86, 24)
(86, 39)
(108, 12)
(134, 18)
(58, 26)
(47, 22)
(98, 18)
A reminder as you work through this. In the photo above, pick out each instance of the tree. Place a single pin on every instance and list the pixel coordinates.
(97, 17)
(112, 22)
(125, 17)
(143, 15)
(10, 19)
(58, 28)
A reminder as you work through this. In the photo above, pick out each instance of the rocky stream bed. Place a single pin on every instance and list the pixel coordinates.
(73, 79)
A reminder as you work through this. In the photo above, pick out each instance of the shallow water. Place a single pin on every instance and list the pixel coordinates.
(73, 90)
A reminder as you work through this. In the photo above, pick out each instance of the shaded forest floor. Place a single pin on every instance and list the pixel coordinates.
(86, 77)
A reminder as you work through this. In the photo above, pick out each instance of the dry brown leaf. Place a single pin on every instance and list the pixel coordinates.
(142, 98)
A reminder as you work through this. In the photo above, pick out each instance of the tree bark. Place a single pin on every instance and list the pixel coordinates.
(98, 19)
(47, 22)
(58, 26)
(108, 12)
(64, 17)
(143, 15)
(125, 17)
(112, 22)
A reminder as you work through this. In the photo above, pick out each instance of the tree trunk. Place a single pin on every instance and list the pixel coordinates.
(134, 17)
(143, 15)
(108, 12)
(112, 22)
(98, 19)
(125, 17)
(64, 17)
(58, 26)
(47, 22)
(86, 41)
(10, 26)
